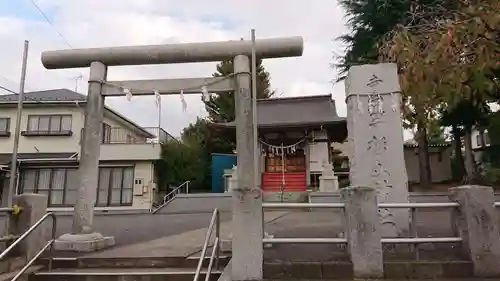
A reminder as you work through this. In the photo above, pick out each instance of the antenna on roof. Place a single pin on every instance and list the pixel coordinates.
(79, 77)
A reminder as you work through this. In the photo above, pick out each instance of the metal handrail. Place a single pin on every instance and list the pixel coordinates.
(215, 251)
(304, 240)
(30, 262)
(408, 240)
(418, 205)
(303, 205)
(6, 210)
(214, 221)
(380, 205)
(171, 195)
(421, 240)
(28, 232)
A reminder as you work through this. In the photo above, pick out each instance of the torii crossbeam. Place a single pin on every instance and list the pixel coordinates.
(247, 214)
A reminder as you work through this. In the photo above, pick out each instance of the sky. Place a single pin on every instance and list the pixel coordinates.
(98, 23)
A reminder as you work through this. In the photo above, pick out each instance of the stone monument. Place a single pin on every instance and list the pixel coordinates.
(328, 181)
(374, 125)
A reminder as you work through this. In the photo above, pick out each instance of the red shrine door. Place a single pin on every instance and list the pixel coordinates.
(289, 175)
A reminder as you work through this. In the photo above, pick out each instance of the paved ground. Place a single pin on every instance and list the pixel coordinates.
(180, 245)
(128, 229)
(286, 224)
(133, 228)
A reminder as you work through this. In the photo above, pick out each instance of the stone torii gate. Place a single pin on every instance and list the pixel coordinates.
(247, 212)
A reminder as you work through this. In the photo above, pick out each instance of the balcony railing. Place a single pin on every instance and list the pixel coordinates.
(122, 136)
(127, 136)
(161, 136)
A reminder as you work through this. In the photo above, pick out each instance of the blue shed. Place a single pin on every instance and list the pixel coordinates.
(221, 162)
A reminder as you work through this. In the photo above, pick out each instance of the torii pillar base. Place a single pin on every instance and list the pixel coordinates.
(83, 242)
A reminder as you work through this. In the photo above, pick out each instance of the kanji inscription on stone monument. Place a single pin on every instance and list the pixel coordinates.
(377, 139)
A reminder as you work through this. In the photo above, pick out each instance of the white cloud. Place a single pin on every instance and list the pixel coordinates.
(97, 23)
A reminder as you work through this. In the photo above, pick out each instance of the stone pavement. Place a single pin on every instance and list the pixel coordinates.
(180, 245)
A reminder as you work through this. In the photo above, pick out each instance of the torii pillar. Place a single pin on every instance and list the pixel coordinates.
(247, 203)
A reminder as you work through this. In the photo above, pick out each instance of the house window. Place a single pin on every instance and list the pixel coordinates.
(58, 184)
(4, 126)
(115, 186)
(106, 133)
(49, 125)
(478, 140)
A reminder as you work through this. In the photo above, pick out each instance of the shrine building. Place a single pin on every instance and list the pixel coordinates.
(295, 136)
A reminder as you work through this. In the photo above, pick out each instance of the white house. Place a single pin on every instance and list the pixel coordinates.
(49, 146)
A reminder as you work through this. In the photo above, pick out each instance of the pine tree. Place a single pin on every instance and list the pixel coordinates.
(221, 108)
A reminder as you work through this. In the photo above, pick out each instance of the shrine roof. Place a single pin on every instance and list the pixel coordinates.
(294, 111)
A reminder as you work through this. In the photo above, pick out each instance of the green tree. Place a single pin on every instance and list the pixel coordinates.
(447, 61)
(221, 108)
(200, 134)
(435, 133)
(370, 22)
(462, 118)
(203, 139)
(179, 163)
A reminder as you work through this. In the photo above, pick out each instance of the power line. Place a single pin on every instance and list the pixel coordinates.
(8, 90)
(13, 82)
(16, 93)
(50, 22)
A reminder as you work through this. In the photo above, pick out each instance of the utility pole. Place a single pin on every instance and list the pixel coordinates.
(20, 98)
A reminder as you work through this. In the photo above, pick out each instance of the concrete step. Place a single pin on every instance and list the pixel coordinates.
(9, 275)
(343, 270)
(121, 274)
(132, 262)
(338, 252)
(10, 264)
(192, 261)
